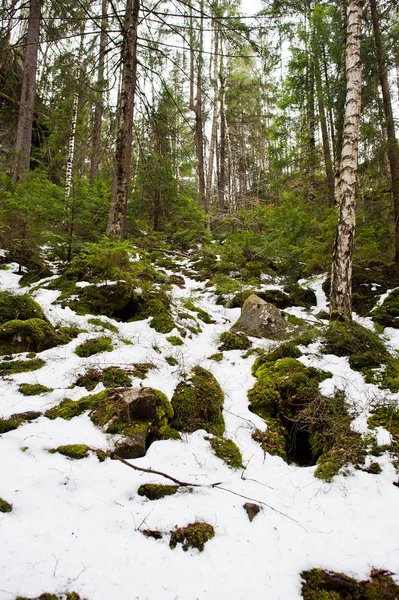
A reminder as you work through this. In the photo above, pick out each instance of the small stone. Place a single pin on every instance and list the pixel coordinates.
(252, 510)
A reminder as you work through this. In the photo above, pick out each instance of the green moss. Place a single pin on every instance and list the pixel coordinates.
(68, 333)
(286, 350)
(113, 377)
(273, 440)
(16, 420)
(388, 418)
(294, 320)
(318, 584)
(154, 491)
(33, 389)
(94, 346)
(5, 507)
(194, 535)
(388, 312)
(20, 306)
(127, 342)
(172, 361)
(45, 596)
(68, 409)
(32, 334)
(202, 314)
(227, 451)
(234, 341)
(216, 357)
(197, 403)
(35, 275)
(103, 324)
(20, 366)
(162, 322)
(175, 340)
(76, 451)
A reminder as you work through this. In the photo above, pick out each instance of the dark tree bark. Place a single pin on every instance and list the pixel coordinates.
(20, 167)
(98, 111)
(393, 150)
(123, 152)
(324, 133)
(341, 275)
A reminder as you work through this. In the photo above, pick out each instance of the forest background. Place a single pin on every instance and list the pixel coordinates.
(235, 142)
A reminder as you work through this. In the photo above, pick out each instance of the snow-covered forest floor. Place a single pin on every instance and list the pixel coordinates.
(77, 524)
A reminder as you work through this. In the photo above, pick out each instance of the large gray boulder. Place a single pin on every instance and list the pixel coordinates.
(263, 320)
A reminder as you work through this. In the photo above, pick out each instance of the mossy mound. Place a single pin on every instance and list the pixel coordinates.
(111, 377)
(234, 341)
(11, 367)
(75, 451)
(218, 357)
(172, 361)
(286, 350)
(387, 314)
(304, 426)
(194, 535)
(197, 403)
(318, 584)
(175, 340)
(228, 451)
(33, 389)
(94, 346)
(366, 353)
(124, 302)
(17, 419)
(20, 307)
(69, 332)
(201, 314)
(30, 335)
(155, 491)
(5, 506)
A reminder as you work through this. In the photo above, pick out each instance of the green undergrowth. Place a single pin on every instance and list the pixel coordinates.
(388, 418)
(218, 357)
(140, 370)
(11, 367)
(19, 306)
(68, 333)
(155, 491)
(387, 314)
(5, 506)
(194, 535)
(291, 295)
(197, 403)
(201, 314)
(303, 426)
(16, 420)
(228, 451)
(111, 377)
(366, 353)
(234, 341)
(318, 584)
(94, 346)
(172, 361)
(33, 389)
(175, 340)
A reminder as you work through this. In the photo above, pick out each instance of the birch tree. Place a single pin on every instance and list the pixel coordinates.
(341, 275)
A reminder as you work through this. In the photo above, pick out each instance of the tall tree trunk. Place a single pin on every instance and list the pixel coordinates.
(341, 275)
(311, 130)
(212, 145)
(222, 149)
(98, 111)
(123, 151)
(393, 150)
(324, 131)
(20, 167)
(198, 111)
(340, 102)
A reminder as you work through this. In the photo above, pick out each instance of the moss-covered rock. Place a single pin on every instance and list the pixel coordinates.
(11, 367)
(234, 341)
(76, 451)
(17, 419)
(261, 319)
(194, 535)
(32, 334)
(175, 340)
(293, 295)
(228, 451)
(155, 491)
(274, 440)
(197, 403)
(318, 584)
(5, 506)
(218, 357)
(19, 307)
(94, 346)
(33, 389)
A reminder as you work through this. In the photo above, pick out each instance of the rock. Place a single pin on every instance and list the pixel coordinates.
(252, 510)
(30, 415)
(134, 444)
(261, 319)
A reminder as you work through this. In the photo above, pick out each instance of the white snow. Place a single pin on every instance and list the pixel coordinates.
(76, 525)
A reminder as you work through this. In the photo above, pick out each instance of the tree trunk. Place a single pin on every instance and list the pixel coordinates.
(20, 167)
(123, 151)
(340, 102)
(98, 111)
(324, 132)
(222, 150)
(393, 150)
(341, 276)
(199, 125)
(212, 145)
